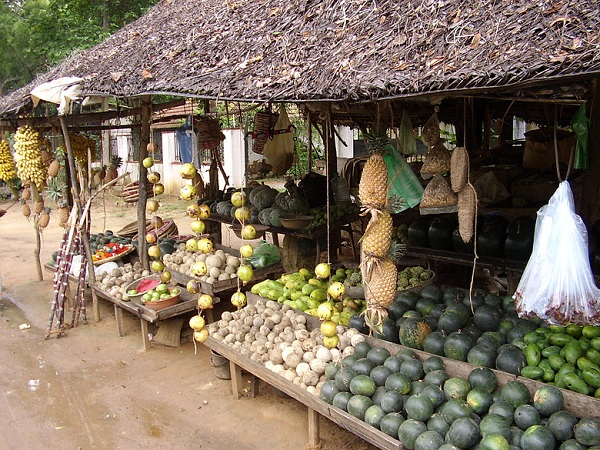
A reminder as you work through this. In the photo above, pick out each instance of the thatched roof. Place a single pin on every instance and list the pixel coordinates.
(342, 50)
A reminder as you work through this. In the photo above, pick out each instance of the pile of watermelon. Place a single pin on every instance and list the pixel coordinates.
(419, 404)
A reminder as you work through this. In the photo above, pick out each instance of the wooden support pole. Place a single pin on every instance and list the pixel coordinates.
(143, 180)
(38, 241)
(85, 238)
(590, 211)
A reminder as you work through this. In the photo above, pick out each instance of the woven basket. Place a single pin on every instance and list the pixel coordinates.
(168, 229)
(210, 134)
(264, 122)
(131, 192)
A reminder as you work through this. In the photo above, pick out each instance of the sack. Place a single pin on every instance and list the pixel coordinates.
(406, 136)
(580, 125)
(402, 181)
(557, 284)
(264, 255)
(279, 150)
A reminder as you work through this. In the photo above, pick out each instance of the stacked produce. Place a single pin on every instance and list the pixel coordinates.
(197, 259)
(485, 330)
(28, 158)
(378, 256)
(116, 282)
(8, 170)
(277, 336)
(421, 405)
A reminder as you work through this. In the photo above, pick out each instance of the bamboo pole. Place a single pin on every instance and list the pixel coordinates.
(77, 200)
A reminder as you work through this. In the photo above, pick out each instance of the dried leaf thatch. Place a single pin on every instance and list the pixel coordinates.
(356, 50)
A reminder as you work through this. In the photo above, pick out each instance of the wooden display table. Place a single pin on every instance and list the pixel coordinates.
(189, 302)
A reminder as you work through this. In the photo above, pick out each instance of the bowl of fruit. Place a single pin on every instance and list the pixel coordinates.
(161, 297)
(139, 287)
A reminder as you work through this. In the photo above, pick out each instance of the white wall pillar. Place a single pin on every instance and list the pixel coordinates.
(234, 157)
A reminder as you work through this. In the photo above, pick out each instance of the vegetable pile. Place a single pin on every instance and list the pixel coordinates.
(115, 282)
(276, 336)
(208, 267)
(418, 403)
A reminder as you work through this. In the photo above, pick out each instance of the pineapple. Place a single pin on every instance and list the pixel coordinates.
(112, 173)
(26, 210)
(38, 206)
(44, 219)
(63, 216)
(373, 186)
(378, 235)
(380, 278)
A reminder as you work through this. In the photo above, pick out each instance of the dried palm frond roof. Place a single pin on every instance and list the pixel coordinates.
(338, 50)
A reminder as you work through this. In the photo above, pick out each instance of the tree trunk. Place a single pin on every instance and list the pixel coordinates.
(105, 16)
(38, 241)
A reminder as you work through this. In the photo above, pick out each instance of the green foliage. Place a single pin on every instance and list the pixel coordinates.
(38, 34)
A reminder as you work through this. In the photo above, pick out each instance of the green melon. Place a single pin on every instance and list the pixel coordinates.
(363, 366)
(418, 407)
(510, 359)
(548, 400)
(434, 343)
(515, 436)
(455, 408)
(378, 355)
(438, 423)
(349, 361)
(433, 363)
(362, 385)
(435, 394)
(450, 322)
(587, 431)
(406, 353)
(393, 363)
(479, 400)
(504, 409)
(561, 425)
(409, 431)
(429, 440)
(482, 356)
(358, 405)
(432, 291)
(483, 378)
(379, 392)
(571, 444)
(487, 318)
(392, 401)
(413, 331)
(331, 370)
(463, 432)
(537, 437)
(526, 416)
(341, 400)
(379, 374)
(457, 346)
(493, 442)
(407, 298)
(398, 382)
(328, 391)
(343, 378)
(495, 424)
(516, 393)
(362, 349)
(413, 369)
(390, 423)
(373, 416)
(417, 386)
(457, 388)
(437, 377)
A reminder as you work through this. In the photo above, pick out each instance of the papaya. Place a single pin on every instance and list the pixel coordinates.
(591, 332)
(533, 354)
(591, 377)
(574, 383)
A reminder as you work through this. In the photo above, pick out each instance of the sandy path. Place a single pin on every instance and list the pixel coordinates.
(94, 390)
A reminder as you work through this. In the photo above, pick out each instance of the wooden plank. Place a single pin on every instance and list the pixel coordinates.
(314, 439)
(119, 320)
(145, 340)
(236, 379)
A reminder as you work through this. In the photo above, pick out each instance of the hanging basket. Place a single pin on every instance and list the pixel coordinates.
(210, 134)
(264, 122)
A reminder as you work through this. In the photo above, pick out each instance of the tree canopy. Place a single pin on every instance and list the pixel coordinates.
(37, 34)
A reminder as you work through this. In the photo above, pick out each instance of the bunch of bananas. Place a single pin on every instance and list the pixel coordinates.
(79, 146)
(8, 171)
(28, 158)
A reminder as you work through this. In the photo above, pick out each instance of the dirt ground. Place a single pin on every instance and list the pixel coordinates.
(92, 389)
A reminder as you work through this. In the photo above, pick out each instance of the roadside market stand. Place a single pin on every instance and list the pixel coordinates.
(359, 65)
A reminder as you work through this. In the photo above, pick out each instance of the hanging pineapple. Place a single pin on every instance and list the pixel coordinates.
(378, 254)
(112, 173)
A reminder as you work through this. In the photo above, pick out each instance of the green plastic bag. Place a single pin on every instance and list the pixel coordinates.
(406, 136)
(264, 255)
(402, 181)
(581, 125)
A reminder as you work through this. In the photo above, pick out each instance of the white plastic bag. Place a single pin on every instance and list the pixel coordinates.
(557, 284)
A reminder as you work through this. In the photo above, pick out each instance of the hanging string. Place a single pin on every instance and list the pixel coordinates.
(328, 135)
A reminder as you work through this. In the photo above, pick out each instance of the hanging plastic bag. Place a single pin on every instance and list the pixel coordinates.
(264, 255)
(406, 136)
(402, 181)
(557, 284)
(581, 125)
(279, 150)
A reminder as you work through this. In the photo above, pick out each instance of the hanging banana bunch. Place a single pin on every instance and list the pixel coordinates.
(28, 157)
(8, 170)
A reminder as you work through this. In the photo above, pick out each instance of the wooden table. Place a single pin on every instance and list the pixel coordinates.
(189, 302)
(315, 406)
